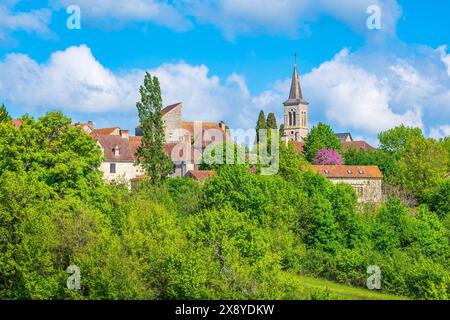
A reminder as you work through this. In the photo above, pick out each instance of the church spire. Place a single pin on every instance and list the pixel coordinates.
(296, 91)
(295, 95)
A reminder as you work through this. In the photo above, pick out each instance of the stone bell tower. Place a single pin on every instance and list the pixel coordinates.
(295, 111)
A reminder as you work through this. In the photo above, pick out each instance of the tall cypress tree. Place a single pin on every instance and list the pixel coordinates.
(281, 130)
(4, 115)
(151, 153)
(271, 121)
(261, 124)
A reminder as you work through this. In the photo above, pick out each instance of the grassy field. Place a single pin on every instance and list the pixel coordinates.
(313, 286)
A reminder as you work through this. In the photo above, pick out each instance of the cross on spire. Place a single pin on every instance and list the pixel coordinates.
(295, 58)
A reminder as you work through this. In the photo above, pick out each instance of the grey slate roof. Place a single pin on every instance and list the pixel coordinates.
(295, 95)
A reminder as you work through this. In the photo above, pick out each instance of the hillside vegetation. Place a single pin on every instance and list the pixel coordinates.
(237, 236)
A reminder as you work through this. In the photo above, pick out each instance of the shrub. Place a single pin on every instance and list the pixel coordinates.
(328, 157)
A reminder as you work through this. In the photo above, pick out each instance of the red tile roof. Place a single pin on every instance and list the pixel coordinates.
(349, 172)
(17, 123)
(104, 131)
(357, 145)
(110, 142)
(299, 146)
(205, 126)
(170, 108)
(135, 142)
(200, 175)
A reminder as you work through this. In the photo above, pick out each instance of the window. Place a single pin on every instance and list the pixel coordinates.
(112, 168)
(295, 118)
(359, 191)
(170, 137)
(116, 151)
(290, 118)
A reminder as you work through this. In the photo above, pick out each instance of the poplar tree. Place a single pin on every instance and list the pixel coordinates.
(151, 153)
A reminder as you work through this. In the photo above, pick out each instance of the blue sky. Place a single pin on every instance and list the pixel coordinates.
(228, 59)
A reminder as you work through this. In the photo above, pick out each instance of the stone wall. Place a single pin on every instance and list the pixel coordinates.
(368, 190)
(172, 122)
(124, 170)
(299, 131)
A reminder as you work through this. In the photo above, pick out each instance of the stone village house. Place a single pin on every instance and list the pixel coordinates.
(184, 144)
(366, 180)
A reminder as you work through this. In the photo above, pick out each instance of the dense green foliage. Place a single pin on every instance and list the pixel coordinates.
(222, 153)
(395, 140)
(412, 165)
(271, 121)
(151, 153)
(4, 115)
(237, 236)
(321, 137)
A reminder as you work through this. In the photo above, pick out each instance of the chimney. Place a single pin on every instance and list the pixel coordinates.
(125, 134)
(222, 126)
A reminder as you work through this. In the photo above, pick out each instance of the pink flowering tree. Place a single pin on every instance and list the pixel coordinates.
(328, 157)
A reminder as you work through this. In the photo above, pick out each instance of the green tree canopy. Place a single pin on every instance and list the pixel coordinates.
(4, 115)
(446, 144)
(395, 140)
(384, 160)
(321, 137)
(151, 153)
(63, 156)
(422, 166)
(223, 153)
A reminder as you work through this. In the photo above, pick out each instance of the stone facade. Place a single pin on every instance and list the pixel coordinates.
(118, 171)
(368, 190)
(172, 122)
(366, 180)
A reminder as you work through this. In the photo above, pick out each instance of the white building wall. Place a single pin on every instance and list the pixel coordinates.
(124, 170)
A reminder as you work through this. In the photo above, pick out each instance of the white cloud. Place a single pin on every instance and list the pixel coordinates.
(445, 58)
(204, 97)
(440, 132)
(113, 13)
(74, 81)
(286, 17)
(71, 80)
(235, 17)
(349, 91)
(354, 99)
(34, 21)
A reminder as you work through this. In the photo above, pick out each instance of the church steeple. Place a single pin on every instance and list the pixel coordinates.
(295, 95)
(296, 90)
(295, 111)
